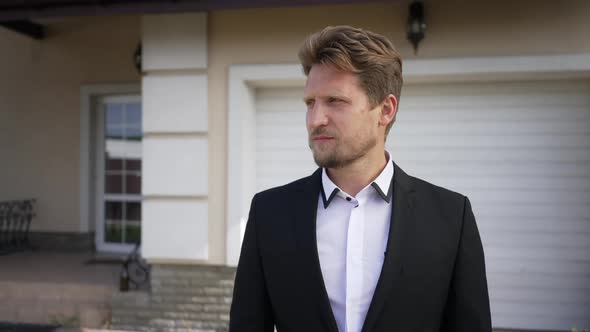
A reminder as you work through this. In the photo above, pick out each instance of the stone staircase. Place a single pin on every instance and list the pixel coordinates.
(183, 298)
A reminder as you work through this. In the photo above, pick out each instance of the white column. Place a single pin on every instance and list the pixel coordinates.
(175, 144)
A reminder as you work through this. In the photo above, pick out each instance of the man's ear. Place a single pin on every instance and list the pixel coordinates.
(388, 110)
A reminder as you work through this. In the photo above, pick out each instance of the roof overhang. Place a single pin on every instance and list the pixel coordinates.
(14, 10)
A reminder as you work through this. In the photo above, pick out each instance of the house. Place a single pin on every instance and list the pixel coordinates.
(496, 105)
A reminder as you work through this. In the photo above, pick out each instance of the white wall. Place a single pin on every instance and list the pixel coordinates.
(175, 147)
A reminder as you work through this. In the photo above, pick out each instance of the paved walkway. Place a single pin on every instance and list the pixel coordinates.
(44, 286)
(56, 267)
(19, 327)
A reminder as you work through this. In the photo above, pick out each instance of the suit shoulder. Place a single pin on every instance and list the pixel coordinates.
(442, 200)
(432, 189)
(283, 192)
(442, 204)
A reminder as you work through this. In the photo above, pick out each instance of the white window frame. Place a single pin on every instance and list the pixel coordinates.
(100, 196)
(87, 164)
(245, 79)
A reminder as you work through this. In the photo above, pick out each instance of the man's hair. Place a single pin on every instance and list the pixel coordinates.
(369, 55)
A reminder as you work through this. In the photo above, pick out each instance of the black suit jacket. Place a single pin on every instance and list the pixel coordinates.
(433, 276)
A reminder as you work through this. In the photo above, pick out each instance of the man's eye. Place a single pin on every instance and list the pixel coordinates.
(334, 100)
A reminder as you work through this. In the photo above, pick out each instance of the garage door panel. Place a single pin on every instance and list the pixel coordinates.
(286, 118)
(556, 268)
(515, 91)
(478, 168)
(519, 150)
(514, 141)
(569, 211)
(508, 183)
(532, 239)
(492, 155)
(514, 197)
(433, 112)
(500, 251)
(491, 128)
(277, 132)
(535, 280)
(533, 295)
(537, 224)
(558, 212)
(552, 317)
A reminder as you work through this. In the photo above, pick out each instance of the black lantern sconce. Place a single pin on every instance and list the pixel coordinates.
(416, 24)
(137, 58)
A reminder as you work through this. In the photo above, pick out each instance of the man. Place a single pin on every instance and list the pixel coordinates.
(359, 245)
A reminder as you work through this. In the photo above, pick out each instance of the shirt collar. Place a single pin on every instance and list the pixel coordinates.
(382, 184)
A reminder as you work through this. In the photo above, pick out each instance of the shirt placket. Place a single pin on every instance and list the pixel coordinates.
(354, 268)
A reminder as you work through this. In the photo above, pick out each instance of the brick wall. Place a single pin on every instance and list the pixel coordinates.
(183, 298)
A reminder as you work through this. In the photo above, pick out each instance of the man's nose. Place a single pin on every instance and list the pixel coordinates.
(316, 116)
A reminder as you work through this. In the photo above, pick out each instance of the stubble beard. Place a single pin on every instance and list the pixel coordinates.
(337, 158)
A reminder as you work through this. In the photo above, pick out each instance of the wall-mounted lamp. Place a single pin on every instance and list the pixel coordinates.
(416, 24)
(137, 58)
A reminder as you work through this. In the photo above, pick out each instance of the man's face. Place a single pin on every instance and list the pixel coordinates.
(341, 125)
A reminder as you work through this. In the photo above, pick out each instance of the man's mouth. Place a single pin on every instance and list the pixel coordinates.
(322, 138)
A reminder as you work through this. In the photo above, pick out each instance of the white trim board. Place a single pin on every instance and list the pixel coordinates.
(87, 95)
(244, 79)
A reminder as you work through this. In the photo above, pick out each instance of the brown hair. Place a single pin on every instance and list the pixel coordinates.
(369, 55)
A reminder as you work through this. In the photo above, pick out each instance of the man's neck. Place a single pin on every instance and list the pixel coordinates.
(354, 177)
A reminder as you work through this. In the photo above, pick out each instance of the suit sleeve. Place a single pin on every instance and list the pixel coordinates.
(468, 305)
(250, 309)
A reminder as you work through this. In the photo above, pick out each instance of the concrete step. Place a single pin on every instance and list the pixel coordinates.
(67, 304)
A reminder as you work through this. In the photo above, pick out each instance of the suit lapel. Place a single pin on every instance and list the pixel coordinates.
(305, 229)
(402, 216)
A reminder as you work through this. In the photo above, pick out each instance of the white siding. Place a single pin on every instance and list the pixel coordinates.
(282, 152)
(519, 150)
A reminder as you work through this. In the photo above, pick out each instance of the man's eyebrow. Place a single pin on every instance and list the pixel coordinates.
(328, 96)
(340, 97)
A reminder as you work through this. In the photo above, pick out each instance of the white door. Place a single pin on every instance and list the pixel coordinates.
(118, 172)
(519, 150)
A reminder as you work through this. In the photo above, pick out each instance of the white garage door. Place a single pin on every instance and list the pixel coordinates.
(519, 150)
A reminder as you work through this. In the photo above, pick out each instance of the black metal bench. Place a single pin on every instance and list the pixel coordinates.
(15, 223)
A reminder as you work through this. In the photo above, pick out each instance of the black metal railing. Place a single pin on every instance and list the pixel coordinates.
(15, 223)
(135, 272)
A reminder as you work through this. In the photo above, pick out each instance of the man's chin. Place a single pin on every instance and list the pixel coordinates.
(326, 161)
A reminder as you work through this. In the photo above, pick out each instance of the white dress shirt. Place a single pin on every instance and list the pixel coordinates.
(352, 235)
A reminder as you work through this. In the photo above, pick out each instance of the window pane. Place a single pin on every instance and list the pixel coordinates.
(113, 219)
(113, 232)
(133, 133)
(133, 115)
(113, 211)
(132, 183)
(114, 120)
(113, 184)
(113, 114)
(114, 132)
(133, 233)
(133, 210)
(133, 222)
(133, 164)
(113, 164)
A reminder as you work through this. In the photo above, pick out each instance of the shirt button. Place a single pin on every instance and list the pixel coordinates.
(348, 199)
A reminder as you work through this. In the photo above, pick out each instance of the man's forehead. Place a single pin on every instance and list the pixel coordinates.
(330, 81)
(325, 91)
